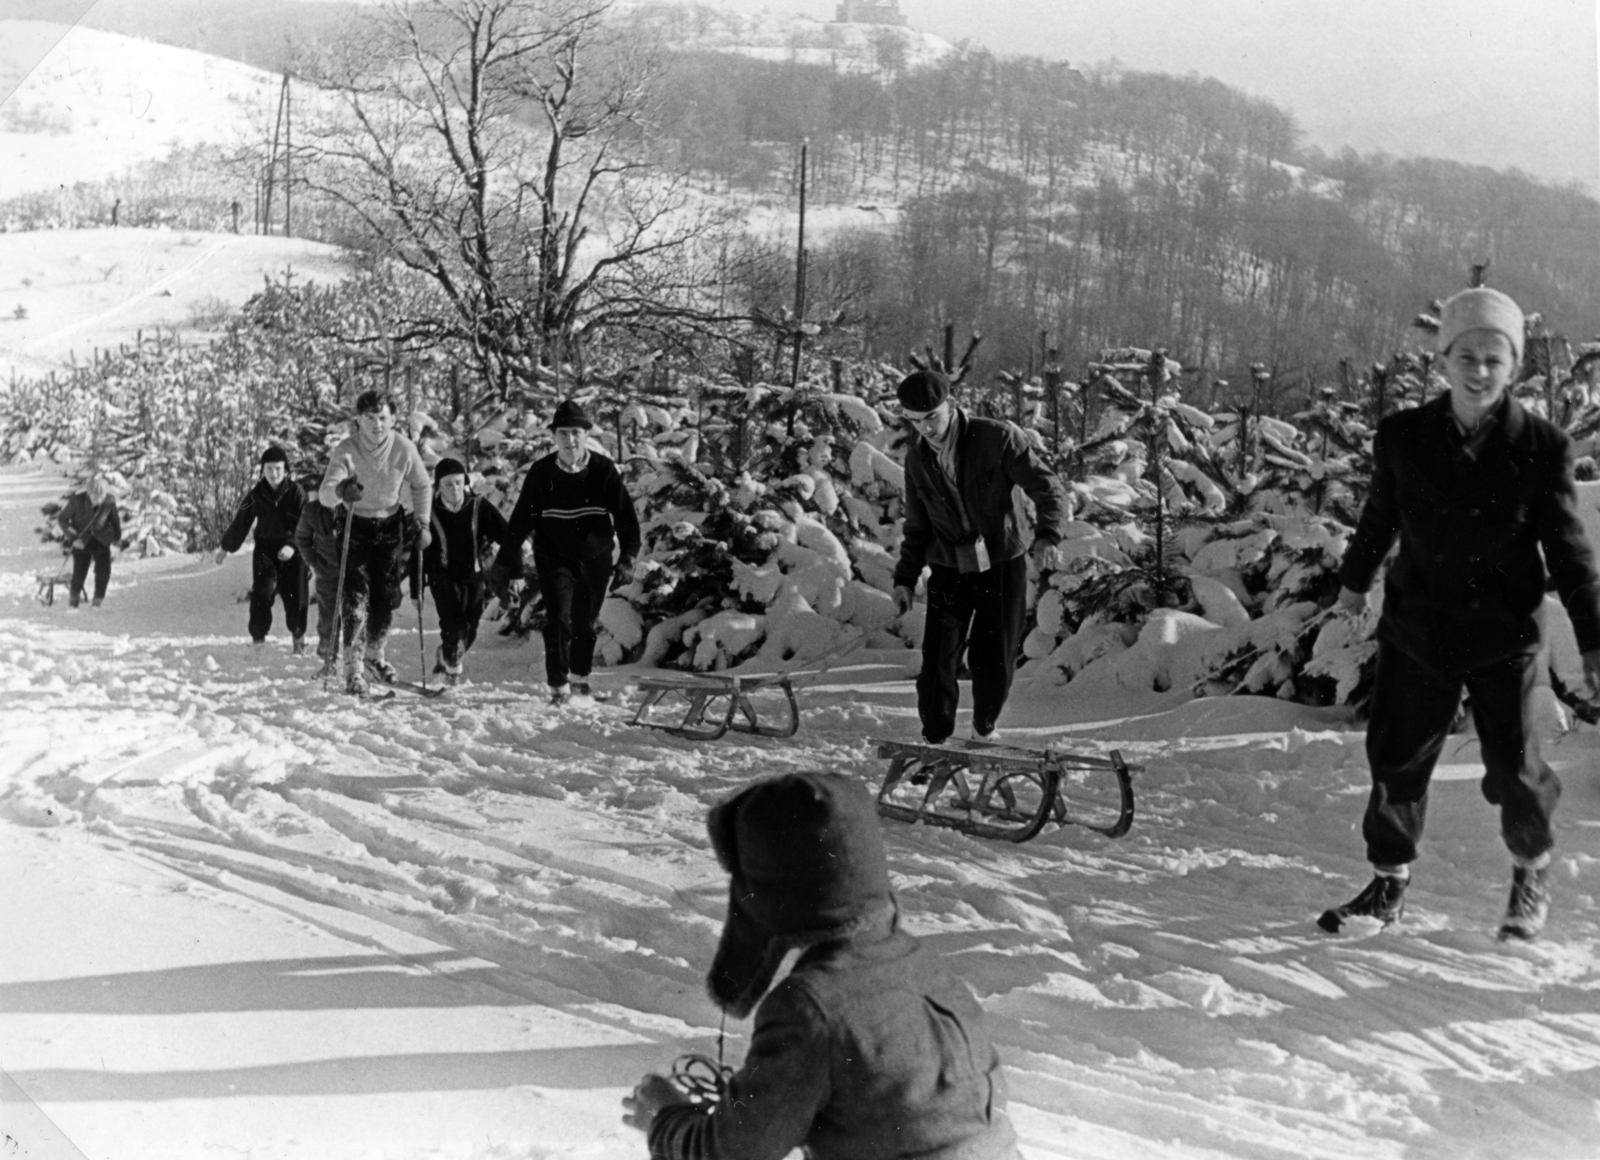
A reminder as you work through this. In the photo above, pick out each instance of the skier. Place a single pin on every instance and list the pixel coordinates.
(868, 1047)
(316, 538)
(1480, 494)
(366, 472)
(463, 523)
(272, 506)
(90, 525)
(574, 502)
(964, 520)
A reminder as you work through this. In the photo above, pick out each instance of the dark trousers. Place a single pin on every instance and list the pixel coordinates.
(460, 608)
(327, 587)
(981, 614)
(272, 578)
(1412, 708)
(372, 577)
(573, 593)
(100, 555)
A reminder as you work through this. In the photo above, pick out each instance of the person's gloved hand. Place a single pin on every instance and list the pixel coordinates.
(622, 573)
(80, 544)
(220, 555)
(903, 597)
(286, 552)
(350, 490)
(424, 538)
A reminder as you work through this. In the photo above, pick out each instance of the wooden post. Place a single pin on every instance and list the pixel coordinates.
(1052, 386)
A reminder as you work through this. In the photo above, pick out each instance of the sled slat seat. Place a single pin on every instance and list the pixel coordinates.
(715, 704)
(1008, 792)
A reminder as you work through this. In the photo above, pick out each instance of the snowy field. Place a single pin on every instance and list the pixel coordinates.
(248, 917)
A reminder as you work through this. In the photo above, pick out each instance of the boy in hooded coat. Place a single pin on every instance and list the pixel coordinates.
(868, 1049)
(463, 524)
(91, 525)
(272, 507)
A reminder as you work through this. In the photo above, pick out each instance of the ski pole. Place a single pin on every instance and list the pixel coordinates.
(422, 648)
(338, 592)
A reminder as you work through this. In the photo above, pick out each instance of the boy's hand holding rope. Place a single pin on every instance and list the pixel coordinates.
(696, 1079)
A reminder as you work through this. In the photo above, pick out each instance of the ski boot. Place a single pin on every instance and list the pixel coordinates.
(1529, 904)
(299, 646)
(381, 668)
(1384, 899)
(560, 695)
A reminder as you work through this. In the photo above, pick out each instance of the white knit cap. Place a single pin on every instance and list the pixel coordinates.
(1481, 309)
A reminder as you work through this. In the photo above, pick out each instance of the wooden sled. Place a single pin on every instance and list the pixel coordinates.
(717, 702)
(1005, 792)
(50, 580)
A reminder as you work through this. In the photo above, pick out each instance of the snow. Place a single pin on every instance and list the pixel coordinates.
(96, 103)
(251, 916)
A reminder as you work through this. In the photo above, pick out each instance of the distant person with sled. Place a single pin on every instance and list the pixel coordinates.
(868, 1049)
(272, 506)
(463, 525)
(574, 503)
(90, 527)
(367, 472)
(1480, 494)
(965, 522)
(316, 538)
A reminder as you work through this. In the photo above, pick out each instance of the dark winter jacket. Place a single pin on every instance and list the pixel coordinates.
(1467, 584)
(575, 517)
(81, 518)
(275, 511)
(994, 459)
(459, 537)
(316, 535)
(868, 1050)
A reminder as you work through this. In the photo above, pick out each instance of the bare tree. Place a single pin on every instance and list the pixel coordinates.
(501, 149)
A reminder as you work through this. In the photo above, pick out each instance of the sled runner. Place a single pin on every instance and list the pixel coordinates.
(1006, 792)
(717, 702)
(705, 718)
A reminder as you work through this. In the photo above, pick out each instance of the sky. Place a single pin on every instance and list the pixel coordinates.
(1503, 83)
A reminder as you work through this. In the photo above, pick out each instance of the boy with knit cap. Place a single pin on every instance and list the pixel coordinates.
(868, 1049)
(464, 524)
(578, 510)
(368, 472)
(272, 506)
(1480, 494)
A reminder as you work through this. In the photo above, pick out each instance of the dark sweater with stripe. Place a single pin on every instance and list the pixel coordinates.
(574, 516)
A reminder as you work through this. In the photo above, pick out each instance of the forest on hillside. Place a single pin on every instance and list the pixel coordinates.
(1107, 208)
(1041, 206)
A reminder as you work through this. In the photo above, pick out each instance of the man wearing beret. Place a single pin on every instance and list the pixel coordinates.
(578, 510)
(1479, 492)
(966, 523)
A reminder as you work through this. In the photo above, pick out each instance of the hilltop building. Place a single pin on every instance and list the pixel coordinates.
(869, 12)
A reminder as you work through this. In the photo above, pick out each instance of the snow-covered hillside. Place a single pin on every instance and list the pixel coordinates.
(97, 103)
(782, 35)
(247, 916)
(65, 292)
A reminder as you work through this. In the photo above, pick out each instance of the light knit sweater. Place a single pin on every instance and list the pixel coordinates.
(383, 469)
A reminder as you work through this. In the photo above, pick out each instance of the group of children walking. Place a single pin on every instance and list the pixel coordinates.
(354, 525)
